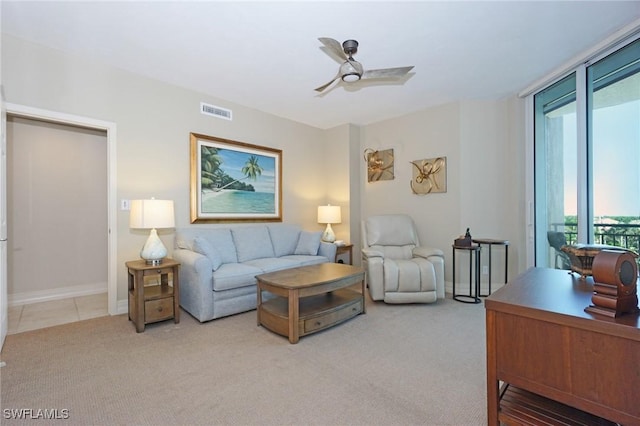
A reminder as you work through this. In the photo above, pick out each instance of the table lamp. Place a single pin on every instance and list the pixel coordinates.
(329, 214)
(152, 214)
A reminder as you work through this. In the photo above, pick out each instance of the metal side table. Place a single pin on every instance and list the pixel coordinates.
(492, 242)
(474, 290)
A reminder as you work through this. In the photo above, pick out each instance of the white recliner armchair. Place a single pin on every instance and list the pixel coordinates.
(398, 269)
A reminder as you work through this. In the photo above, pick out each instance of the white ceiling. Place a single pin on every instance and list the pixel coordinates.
(266, 55)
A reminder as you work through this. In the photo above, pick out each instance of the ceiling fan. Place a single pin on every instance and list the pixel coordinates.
(352, 70)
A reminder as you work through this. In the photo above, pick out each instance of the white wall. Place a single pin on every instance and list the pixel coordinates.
(153, 125)
(484, 177)
(482, 140)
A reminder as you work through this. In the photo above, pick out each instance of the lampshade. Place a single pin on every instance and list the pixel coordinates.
(152, 214)
(329, 214)
(149, 214)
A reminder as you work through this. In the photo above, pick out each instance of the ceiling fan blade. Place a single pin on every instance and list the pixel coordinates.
(324, 86)
(387, 72)
(333, 49)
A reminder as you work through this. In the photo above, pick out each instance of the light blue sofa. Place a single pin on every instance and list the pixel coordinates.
(219, 264)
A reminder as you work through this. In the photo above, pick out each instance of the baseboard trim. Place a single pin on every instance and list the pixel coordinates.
(29, 297)
(123, 307)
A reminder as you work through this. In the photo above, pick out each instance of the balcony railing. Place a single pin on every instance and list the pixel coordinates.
(625, 235)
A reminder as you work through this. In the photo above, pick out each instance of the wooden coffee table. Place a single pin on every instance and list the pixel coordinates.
(310, 298)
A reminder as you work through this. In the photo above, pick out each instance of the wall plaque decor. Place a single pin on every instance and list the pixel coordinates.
(234, 181)
(429, 176)
(379, 164)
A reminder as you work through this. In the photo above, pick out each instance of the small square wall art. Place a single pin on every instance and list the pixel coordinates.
(429, 176)
(379, 164)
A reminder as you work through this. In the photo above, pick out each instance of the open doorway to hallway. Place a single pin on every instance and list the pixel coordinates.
(57, 222)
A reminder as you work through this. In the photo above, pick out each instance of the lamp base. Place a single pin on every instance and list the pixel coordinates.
(153, 251)
(328, 236)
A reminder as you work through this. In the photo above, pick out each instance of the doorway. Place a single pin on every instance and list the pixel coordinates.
(111, 183)
(57, 222)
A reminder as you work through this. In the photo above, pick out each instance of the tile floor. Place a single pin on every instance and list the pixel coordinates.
(56, 312)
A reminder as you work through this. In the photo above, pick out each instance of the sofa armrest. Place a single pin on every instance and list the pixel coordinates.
(427, 252)
(327, 250)
(196, 283)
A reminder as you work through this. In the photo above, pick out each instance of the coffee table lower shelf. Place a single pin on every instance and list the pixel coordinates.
(316, 313)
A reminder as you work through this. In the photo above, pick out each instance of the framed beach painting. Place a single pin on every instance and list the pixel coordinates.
(234, 181)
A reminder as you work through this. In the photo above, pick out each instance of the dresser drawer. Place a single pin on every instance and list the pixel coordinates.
(333, 317)
(158, 310)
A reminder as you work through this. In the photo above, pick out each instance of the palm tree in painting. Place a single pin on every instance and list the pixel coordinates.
(251, 171)
(210, 167)
(251, 168)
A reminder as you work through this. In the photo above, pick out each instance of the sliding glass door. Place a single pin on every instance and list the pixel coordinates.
(555, 170)
(587, 158)
(613, 90)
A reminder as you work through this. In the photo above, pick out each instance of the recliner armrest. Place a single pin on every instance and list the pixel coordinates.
(368, 253)
(426, 252)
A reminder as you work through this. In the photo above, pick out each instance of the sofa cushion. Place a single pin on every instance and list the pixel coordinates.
(202, 246)
(269, 264)
(304, 260)
(218, 238)
(222, 241)
(284, 238)
(234, 275)
(252, 242)
(308, 243)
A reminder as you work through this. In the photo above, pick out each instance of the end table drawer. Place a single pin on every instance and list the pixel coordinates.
(158, 310)
(333, 317)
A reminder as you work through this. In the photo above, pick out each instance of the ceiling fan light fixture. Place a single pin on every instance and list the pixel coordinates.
(350, 78)
(351, 71)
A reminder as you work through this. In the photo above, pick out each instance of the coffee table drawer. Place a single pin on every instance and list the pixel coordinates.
(331, 318)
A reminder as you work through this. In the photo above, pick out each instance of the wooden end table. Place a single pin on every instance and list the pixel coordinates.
(153, 303)
(345, 249)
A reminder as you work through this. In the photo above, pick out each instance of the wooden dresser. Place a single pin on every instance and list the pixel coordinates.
(540, 340)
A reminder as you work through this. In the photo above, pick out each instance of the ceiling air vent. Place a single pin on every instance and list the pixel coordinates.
(215, 111)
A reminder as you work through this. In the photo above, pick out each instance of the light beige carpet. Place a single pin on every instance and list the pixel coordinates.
(396, 365)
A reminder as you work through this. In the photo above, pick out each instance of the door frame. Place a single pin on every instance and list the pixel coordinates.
(112, 229)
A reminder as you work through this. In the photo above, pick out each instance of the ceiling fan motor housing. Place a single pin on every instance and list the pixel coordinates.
(350, 47)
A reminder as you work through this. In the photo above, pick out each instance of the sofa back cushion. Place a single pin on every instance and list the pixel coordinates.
(202, 246)
(284, 238)
(252, 242)
(308, 243)
(219, 238)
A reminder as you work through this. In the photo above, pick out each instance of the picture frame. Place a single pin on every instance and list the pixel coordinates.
(234, 181)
